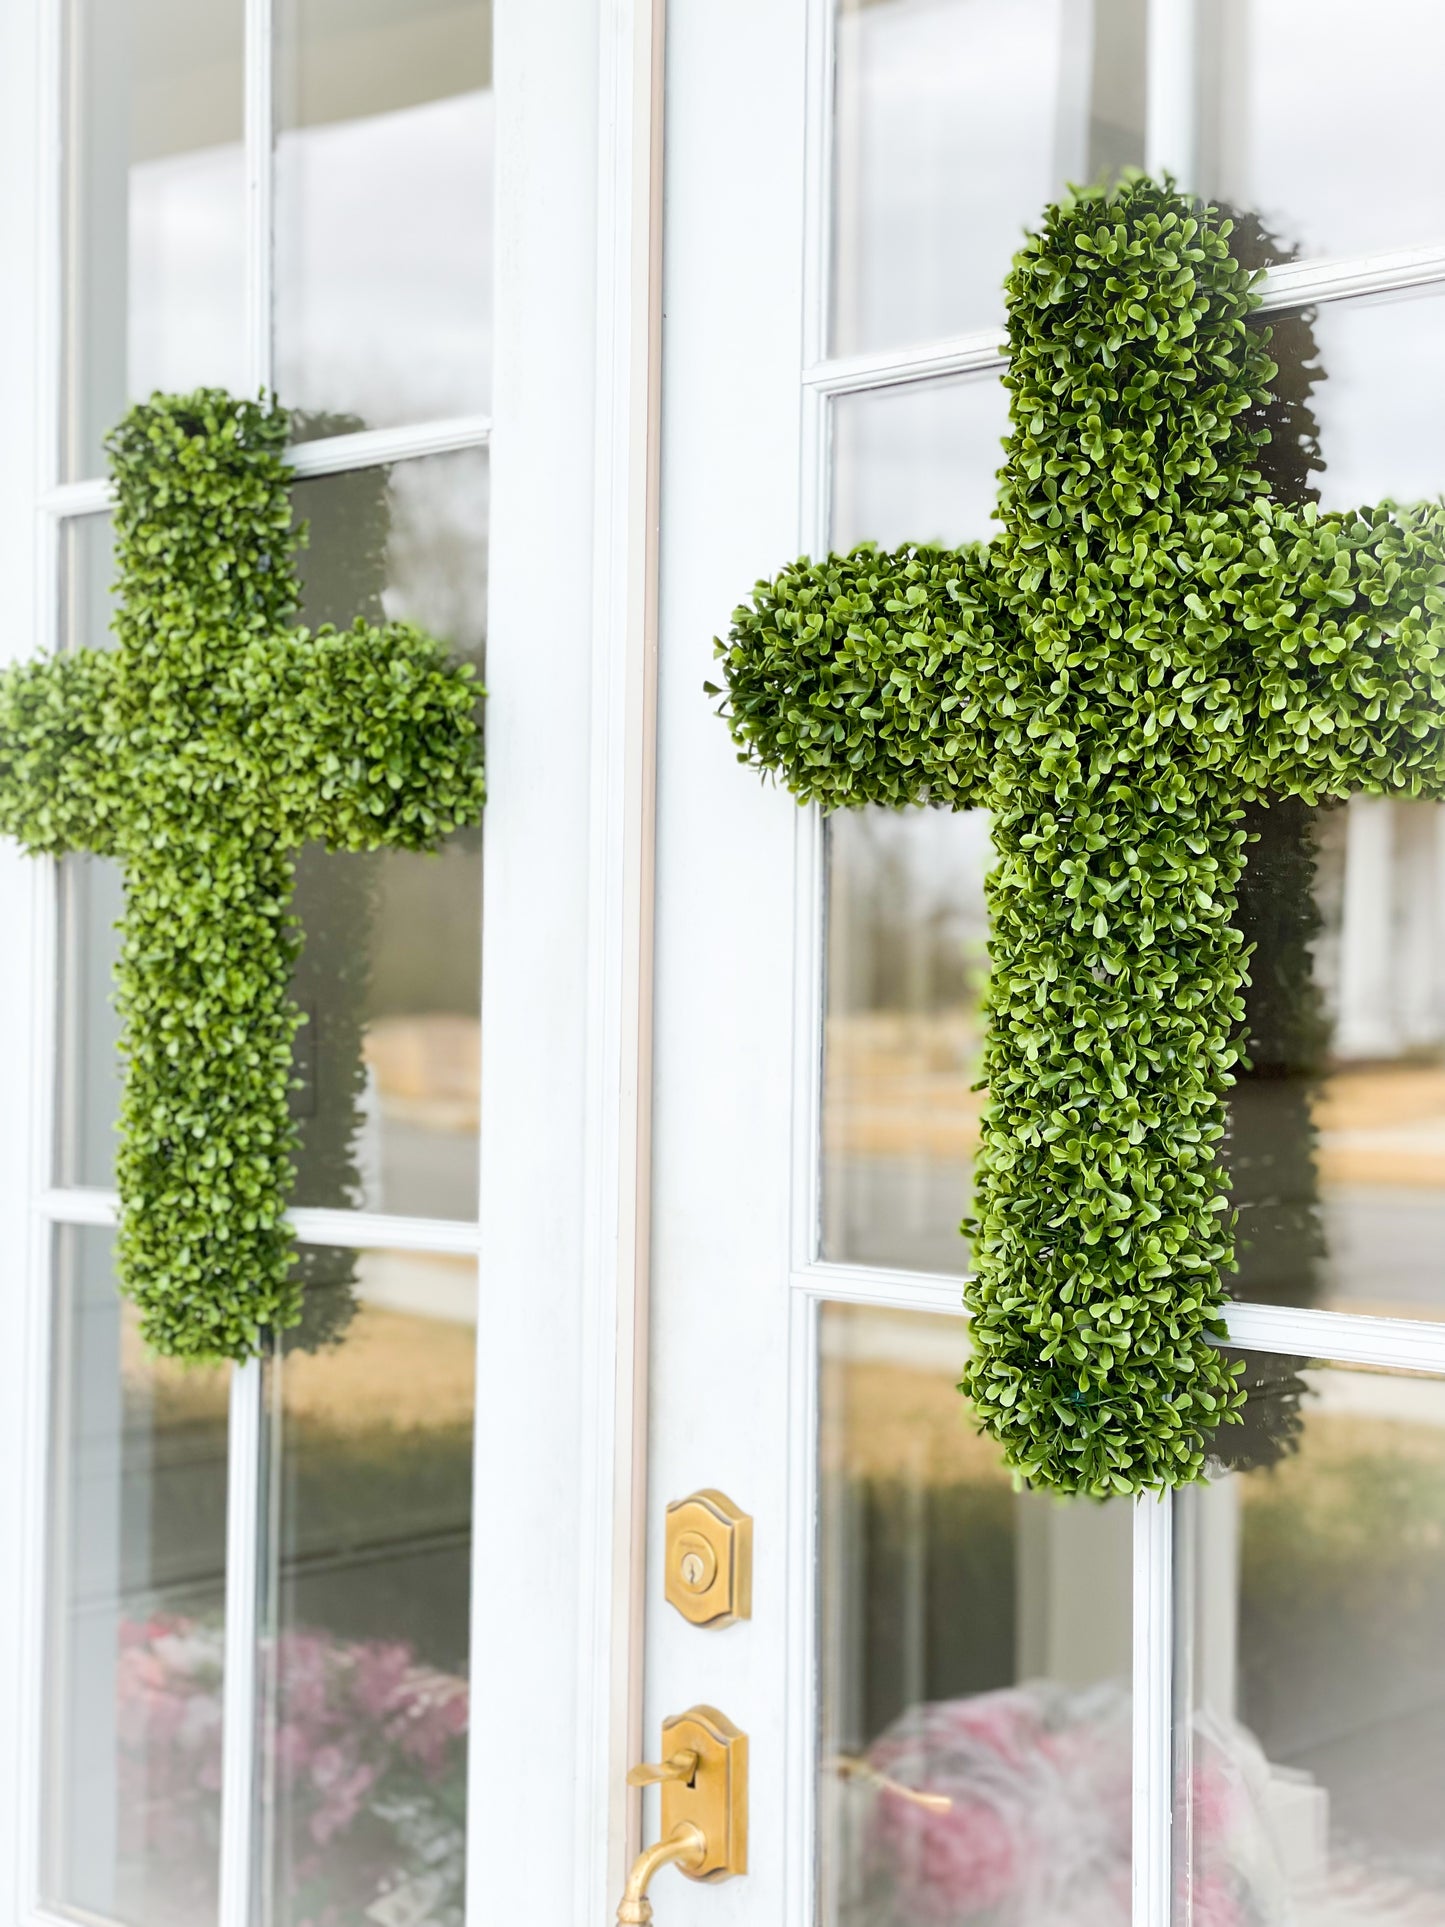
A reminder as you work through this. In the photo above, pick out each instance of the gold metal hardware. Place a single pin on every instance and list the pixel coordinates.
(709, 1559)
(682, 1766)
(848, 1766)
(704, 1782)
(681, 1849)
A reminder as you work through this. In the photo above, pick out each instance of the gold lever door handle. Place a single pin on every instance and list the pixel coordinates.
(682, 1766)
(848, 1766)
(704, 1781)
(685, 1847)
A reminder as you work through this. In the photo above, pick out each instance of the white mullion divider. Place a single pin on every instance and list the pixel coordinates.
(1293, 284)
(312, 1225)
(1153, 1753)
(245, 1523)
(259, 121)
(328, 455)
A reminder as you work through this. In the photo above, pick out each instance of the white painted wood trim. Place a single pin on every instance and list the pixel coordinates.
(1153, 1638)
(1296, 284)
(612, 1467)
(359, 1230)
(327, 455)
(29, 39)
(246, 1527)
(258, 114)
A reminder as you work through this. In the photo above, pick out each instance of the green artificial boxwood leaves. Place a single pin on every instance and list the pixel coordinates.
(1151, 644)
(201, 754)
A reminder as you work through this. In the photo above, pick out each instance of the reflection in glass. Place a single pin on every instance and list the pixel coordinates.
(389, 975)
(906, 966)
(384, 208)
(974, 1648)
(956, 121)
(155, 209)
(1310, 1578)
(919, 463)
(136, 1603)
(365, 1654)
(1277, 87)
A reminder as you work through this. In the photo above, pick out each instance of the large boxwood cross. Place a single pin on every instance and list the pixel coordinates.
(201, 753)
(1148, 644)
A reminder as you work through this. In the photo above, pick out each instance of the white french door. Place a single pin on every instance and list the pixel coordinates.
(1226, 1708)
(241, 1612)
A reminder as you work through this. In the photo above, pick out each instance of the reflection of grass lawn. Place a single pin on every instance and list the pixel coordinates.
(374, 1529)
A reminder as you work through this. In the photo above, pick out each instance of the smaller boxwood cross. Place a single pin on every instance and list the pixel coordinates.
(1150, 643)
(200, 754)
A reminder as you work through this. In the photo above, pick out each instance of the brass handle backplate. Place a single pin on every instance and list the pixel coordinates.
(703, 1779)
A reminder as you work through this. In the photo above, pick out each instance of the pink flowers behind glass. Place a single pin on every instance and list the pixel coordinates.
(367, 1758)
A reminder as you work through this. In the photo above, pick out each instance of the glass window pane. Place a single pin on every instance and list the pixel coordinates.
(364, 1748)
(155, 209)
(918, 463)
(974, 1648)
(389, 975)
(957, 121)
(907, 961)
(1336, 1131)
(1310, 1579)
(906, 923)
(137, 1596)
(384, 208)
(1277, 84)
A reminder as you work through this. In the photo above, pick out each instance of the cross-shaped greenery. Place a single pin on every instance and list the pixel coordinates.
(201, 753)
(1150, 643)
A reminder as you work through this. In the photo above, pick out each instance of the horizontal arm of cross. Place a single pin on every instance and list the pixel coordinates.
(378, 742)
(60, 764)
(863, 678)
(1345, 618)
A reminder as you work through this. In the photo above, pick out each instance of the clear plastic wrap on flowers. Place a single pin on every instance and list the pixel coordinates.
(1038, 1830)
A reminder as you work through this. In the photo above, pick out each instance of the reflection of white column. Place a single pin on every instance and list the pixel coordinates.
(1171, 136)
(1417, 987)
(1073, 1575)
(1367, 1019)
(1214, 1510)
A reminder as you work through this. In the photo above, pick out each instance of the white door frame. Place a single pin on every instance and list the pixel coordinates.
(737, 1277)
(566, 950)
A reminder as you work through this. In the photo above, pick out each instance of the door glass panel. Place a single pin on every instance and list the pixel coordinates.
(1271, 99)
(133, 1681)
(906, 922)
(365, 1659)
(956, 121)
(907, 960)
(1336, 1131)
(154, 209)
(389, 976)
(1310, 1580)
(918, 463)
(384, 208)
(974, 1649)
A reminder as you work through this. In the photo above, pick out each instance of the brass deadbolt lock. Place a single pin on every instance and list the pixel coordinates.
(709, 1559)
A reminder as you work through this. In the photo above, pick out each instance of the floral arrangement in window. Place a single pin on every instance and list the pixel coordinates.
(365, 1771)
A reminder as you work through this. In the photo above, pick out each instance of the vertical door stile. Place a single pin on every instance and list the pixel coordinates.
(1153, 1708)
(245, 1516)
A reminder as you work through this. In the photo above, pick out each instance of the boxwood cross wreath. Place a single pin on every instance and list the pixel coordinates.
(1149, 644)
(201, 753)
